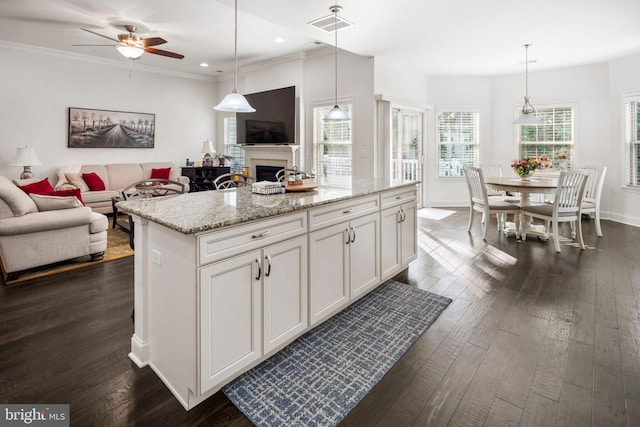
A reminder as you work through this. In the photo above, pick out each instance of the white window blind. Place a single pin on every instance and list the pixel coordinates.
(632, 141)
(333, 157)
(231, 148)
(555, 132)
(458, 141)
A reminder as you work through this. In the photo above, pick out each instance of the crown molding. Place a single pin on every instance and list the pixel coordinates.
(102, 61)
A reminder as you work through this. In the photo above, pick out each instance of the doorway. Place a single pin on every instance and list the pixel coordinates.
(406, 156)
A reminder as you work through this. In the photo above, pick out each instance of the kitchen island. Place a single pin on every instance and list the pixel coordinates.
(224, 279)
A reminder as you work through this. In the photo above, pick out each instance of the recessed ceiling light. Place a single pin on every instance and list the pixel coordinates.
(204, 64)
(278, 40)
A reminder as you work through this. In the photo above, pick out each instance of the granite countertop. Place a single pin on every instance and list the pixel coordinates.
(191, 213)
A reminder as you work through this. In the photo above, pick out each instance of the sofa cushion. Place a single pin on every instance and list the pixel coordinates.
(70, 192)
(77, 180)
(100, 170)
(94, 182)
(38, 187)
(160, 173)
(99, 222)
(92, 197)
(123, 174)
(17, 200)
(52, 203)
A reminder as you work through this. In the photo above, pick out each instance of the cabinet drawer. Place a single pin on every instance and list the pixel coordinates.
(236, 240)
(335, 213)
(398, 196)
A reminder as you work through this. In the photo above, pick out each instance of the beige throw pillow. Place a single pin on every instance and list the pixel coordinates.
(54, 203)
(76, 179)
(17, 200)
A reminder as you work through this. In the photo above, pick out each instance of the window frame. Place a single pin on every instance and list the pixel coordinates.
(438, 145)
(628, 166)
(552, 144)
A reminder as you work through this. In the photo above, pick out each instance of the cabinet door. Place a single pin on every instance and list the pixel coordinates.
(230, 317)
(328, 272)
(364, 254)
(390, 261)
(285, 291)
(409, 238)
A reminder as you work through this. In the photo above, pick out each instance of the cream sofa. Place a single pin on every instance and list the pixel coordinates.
(30, 237)
(116, 177)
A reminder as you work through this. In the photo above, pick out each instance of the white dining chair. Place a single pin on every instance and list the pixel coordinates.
(479, 201)
(566, 206)
(593, 192)
(495, 171)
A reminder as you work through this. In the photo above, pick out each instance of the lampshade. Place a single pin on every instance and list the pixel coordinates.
(26, 157)
(207, 147)
(528, 114)
(234, 102)
(336, 113)
(131, 52)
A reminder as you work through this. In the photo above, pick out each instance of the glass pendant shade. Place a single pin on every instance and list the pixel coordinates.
(235, 103)
(130, 52)
(529, 118)
(336, 114)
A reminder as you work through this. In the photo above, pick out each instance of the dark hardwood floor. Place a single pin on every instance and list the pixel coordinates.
(532, 338)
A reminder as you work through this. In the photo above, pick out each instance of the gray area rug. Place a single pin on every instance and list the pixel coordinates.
(321, 376)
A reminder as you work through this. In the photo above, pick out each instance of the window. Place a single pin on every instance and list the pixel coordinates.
(632, 141)
(332, 143)
(553, 138)
(458, 141)
(231, 148)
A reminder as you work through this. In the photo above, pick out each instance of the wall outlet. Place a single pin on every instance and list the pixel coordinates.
(156, 257)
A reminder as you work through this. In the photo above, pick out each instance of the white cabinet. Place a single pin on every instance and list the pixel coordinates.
(344, 263)
(251, 303)
(399, 233)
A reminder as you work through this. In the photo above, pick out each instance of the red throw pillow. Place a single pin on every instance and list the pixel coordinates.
(94, 182)
(73, 192)
(40, 187)
(161, 173)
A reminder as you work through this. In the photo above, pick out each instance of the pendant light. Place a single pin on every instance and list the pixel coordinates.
(336, 113)
(528, 113)
(234, 102)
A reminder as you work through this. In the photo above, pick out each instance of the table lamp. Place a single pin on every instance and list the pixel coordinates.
(26, 157)
(207, 150)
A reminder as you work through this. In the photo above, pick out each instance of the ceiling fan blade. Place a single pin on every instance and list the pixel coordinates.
(98, 34)
(164, 53)
(152, 41)
(108, 45)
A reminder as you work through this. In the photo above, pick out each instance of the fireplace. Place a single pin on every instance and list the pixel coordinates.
(275, 156)
(267, 173)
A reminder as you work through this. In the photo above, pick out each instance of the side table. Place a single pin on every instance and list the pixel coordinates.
(122, 222)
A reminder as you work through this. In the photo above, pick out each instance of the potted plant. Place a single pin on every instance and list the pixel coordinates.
(222, 159)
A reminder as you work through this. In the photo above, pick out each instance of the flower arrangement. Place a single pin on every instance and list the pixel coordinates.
(525, 166)
(561, 153)
(222, 158)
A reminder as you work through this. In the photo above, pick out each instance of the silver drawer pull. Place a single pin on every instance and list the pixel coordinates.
(398, 197)
(260, 235)
(348, 211)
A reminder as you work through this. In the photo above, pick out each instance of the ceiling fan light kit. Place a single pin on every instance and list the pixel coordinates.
(336, 113)
(235, 102)
(130, 52)
(528, 113)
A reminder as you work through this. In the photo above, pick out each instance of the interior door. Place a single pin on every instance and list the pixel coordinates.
(406, 145)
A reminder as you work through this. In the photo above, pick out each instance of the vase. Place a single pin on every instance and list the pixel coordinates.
(525, 177)
(563, 165)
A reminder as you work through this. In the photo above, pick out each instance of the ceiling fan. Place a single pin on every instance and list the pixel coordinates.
(132, 46)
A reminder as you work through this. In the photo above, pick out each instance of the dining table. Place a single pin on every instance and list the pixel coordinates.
(533, 185)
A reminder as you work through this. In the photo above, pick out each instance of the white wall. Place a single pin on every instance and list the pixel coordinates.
(38, 87)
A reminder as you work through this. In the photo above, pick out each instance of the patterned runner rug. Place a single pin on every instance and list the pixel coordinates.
(320, 377)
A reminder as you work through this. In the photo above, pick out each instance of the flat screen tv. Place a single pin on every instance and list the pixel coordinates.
(274, 121)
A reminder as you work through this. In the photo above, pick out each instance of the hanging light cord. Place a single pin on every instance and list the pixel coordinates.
(335, 19)
(235, 49)
(527, 108)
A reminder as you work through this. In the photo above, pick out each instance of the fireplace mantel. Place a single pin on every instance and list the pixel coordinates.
(269, 155)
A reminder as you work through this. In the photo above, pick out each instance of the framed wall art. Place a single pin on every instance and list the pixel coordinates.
(110, 129)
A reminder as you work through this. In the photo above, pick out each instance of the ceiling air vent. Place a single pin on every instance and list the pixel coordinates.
(328, 23)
